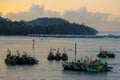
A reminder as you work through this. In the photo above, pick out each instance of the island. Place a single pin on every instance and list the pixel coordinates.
(52, 26)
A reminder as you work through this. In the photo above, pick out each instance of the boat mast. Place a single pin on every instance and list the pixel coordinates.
(75, 50)
(100, 48)
(64, 50)
(57, 50)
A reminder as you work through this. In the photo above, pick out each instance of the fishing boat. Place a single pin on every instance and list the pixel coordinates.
(64, 56)
(98, 66)
(17, 59)
(86, 64)
(58, 55)
(105, 54)
(73, 65)
(51, 55)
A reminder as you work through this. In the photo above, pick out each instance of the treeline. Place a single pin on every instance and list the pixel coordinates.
(8, 27)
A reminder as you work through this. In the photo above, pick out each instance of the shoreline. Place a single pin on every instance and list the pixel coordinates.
(63, 36)
(74, 36)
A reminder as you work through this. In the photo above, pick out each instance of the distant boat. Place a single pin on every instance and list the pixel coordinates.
(58, 55)
(92, 66)
(105, 54)
(51, 55)
(98, 66)
(73, 65)
(64, 56)
(18, 59)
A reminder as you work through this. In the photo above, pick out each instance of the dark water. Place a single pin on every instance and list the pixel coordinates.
(52, 70)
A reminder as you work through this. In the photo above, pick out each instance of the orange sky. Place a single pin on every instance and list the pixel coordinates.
(106, 6)
(103, 15)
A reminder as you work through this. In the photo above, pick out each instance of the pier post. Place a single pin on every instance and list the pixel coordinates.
(75, 50)
(33, 43)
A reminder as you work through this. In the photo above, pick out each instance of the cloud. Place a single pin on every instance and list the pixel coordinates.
(76, 15)
(35, 11)
(82, 15)
(98, 20)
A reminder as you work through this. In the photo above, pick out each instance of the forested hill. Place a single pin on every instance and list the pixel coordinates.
(47, 22)
(43, 26)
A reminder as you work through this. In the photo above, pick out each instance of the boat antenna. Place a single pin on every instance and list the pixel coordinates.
(8, 51)
(57, 50)
(50, 49)
(100, 48)
(64, 50)
(75, 50)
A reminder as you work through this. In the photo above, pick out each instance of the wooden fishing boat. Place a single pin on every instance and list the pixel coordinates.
(51, 55)
(58, 55)
(17, 59)
(64, 56)
(105, 54)
(86, 65)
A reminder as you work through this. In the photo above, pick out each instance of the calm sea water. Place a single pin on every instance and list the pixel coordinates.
(53, 70)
